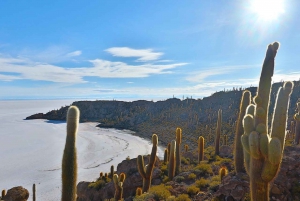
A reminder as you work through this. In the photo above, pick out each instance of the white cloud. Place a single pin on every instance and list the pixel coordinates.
(200, 76)
(101, 68)
(142, 54)
(74, 54)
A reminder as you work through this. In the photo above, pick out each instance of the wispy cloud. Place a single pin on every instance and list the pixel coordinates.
(31, 70)
(141, 54)
(52, 54)
(200, 76)
(74, 54)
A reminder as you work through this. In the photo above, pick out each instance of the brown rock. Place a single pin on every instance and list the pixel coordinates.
(16, 194)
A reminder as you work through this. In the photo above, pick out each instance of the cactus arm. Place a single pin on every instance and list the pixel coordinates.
(69, 162)
(238, 149)
(140, 164)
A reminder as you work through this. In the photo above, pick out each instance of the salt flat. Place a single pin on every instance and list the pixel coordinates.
(31, 150)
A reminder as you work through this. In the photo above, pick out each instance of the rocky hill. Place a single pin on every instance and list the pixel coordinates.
(195, 116)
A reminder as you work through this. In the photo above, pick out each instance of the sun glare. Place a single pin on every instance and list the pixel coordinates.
(267, 9)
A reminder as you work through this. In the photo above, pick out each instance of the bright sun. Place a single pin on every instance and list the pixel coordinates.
(267, 9)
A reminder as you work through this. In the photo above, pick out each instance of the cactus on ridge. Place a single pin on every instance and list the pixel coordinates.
(200, 149)
(178, 155)
(69, 161)
(238, 148)
(118, 183)
(218, 133)
(146, 171)
(263, 147)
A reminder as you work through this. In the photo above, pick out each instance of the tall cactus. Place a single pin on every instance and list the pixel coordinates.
(112, 171)
(69, 161)
(118, 182)
(178, 155)
(297, 119)
(200, 149)
(238, 148)
(166, 156)
(218, 133)
(3, 193)
(33, 192)
(146, 171)
(172, 164)
(263, 150)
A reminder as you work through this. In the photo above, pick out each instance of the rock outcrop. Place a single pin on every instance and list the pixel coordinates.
(16, 194)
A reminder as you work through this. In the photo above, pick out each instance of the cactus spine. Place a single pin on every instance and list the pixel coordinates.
(69, 161)
(118, 182)
(146, 171)
(218, 133)
(297, 119)
(178, 155)
(200, 149)
(264, 150)
(33, 192)
(238, 148)
(171, 171)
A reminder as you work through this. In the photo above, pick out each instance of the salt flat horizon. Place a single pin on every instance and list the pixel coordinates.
(31, 150)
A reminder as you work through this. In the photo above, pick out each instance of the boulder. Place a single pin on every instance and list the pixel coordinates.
(16, 194)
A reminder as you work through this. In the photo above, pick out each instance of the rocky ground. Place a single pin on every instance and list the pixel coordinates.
(200, 182)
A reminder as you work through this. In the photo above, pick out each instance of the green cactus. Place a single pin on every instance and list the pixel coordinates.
(138, 192)
(222, 172)
(200, 149)
(238, 148)
(218, 133)
(118, 182)
(263, 150)
(186, 148)
(69, 161)
(169, 147)
(112, 171)
(146, 171)
(297, 129)
(3, 193)
(178, 155)
(166, 156)
(33, 192)
(172, 164)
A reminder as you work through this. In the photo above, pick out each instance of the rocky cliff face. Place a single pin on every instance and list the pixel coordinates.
(162, 117)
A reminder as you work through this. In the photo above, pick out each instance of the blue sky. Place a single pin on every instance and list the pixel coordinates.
(129, 50)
